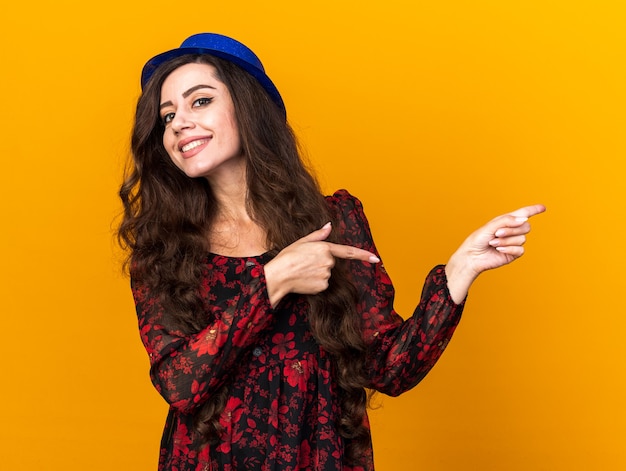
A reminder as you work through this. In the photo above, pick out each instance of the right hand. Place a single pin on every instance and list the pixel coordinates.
(304, 267)
(497, 243)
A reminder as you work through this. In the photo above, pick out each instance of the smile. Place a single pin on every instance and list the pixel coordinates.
(193, 145)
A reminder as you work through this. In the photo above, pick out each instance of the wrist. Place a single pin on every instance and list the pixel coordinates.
(460, 277)
(276, 288)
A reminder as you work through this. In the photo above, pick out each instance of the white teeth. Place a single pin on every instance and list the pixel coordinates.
(192, 145)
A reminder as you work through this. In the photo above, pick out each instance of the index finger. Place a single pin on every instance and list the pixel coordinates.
(528, 211)
(352, 253)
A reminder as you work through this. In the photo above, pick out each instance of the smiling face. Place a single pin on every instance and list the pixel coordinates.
(201, 135)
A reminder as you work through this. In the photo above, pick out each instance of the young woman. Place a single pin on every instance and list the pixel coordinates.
(262, 304)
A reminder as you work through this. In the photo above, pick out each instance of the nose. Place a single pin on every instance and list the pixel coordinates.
(181, 121)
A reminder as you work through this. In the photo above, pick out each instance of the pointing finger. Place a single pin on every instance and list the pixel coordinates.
(516, 219)
(352, 253)
(528, 211)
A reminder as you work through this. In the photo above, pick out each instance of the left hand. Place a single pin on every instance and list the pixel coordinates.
(497, 243)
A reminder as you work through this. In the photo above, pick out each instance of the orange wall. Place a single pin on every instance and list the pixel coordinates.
(438, 115)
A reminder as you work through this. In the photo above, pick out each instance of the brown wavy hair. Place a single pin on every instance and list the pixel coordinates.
(167, 217)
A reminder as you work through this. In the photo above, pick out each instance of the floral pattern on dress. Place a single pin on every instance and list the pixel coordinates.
(283, 409)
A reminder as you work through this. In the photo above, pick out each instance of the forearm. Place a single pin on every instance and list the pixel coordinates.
(187, 368)
(400, 357)
(187, 371)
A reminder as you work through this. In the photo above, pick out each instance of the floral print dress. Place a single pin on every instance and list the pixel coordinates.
(283, 405)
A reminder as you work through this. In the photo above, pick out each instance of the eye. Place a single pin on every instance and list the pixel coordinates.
(167, 118)
(202, 101)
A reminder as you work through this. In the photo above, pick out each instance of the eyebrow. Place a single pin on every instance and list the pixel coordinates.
(187, 93)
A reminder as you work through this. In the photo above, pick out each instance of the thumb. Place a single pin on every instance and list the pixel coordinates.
(318, 235)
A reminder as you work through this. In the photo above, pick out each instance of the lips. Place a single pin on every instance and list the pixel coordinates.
(191, 146)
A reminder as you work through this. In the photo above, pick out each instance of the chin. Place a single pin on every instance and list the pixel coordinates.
(194, 172)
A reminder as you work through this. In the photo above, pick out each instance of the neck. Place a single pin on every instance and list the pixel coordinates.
(233, 231)
(230, 191)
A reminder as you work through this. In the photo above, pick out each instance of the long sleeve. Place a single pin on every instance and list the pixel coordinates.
(401, 352)
(187, 369)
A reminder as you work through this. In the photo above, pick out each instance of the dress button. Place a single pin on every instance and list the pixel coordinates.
(257, 352)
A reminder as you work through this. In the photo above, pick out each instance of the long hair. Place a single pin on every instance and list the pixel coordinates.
(167, 217)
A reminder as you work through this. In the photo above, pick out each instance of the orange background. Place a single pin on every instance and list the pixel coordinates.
(439, 115)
